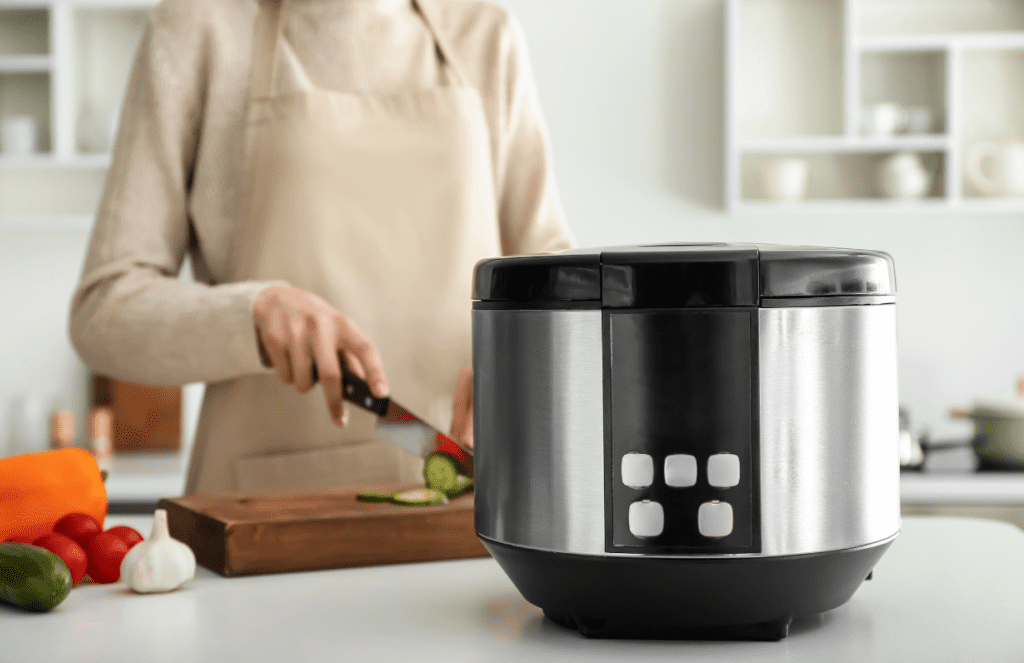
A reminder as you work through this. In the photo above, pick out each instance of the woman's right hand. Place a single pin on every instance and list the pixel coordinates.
(296, 328)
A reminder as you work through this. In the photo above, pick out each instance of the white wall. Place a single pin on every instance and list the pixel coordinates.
(633, 93)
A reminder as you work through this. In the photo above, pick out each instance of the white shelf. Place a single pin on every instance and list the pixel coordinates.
(91, 4)
(844, 206)
(38, 222)
(884, 206)
(940, 42)
(922, 143)
(800, 73)
(66, 63)
(45, 160)
(25, 63)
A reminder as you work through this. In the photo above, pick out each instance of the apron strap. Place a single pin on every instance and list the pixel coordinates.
(269, 33)
(428, 10)
(266, 45)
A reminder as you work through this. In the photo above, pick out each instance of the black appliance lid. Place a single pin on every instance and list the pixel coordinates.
(689, 275)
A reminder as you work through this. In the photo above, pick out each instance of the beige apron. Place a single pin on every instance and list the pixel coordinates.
(381, 204)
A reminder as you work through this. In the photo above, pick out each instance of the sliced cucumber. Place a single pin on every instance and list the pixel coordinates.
(441, 471)
(420, 497)
(374, 497)
(462, 485)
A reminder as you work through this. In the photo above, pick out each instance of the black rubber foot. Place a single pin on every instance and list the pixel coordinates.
(753, 598)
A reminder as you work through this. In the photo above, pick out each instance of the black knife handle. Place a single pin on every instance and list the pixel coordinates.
(355, 389)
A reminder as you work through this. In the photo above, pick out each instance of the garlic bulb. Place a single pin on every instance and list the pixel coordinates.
(160, 563)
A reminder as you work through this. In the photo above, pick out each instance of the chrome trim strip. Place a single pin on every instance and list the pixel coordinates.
(871, 544)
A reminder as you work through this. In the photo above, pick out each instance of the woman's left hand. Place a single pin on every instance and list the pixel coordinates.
(462, 410)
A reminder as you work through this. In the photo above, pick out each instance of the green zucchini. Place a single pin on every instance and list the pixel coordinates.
(31, 577)
(441, 471)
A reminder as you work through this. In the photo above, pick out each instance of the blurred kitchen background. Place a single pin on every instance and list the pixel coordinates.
(882, 124)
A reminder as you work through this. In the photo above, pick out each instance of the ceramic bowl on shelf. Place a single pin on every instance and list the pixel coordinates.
(885, 119)
(920, 120)
(785, 179)
(903, 176)
(997, 168)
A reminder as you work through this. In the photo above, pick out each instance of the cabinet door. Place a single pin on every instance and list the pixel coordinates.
(146, 418)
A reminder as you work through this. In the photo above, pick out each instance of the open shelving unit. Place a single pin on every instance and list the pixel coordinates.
(801, 71)
(66, 64)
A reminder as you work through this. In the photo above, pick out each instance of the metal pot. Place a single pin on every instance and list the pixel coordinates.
(998, 433)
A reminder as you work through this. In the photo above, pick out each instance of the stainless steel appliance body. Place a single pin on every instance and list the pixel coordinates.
(705, 425)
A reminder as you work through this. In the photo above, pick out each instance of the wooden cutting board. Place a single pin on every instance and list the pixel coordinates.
(238, 535)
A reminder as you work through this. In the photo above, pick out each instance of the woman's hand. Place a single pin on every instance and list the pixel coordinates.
(462, 410)
(296, 328)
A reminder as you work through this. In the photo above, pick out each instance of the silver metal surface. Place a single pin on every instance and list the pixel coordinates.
(539, 428)
(829, 428)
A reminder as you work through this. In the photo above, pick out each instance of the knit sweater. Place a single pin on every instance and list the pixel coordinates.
(174, 183)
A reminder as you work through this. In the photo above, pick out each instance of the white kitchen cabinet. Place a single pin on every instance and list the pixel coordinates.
(66, 64)
(802, 72)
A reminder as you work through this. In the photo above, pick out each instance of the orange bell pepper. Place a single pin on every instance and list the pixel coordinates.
(38, 489)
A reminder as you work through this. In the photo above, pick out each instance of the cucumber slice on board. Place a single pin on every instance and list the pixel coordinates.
(441, 471)
(374, 497)
(420, 497)
(462, 485)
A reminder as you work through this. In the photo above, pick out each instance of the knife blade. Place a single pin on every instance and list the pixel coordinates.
(355, 390)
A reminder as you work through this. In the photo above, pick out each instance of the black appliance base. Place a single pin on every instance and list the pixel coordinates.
(752, 598)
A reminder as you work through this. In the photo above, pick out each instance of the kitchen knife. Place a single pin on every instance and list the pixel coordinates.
(355, 390)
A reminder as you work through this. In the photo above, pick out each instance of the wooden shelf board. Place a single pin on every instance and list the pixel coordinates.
(939, 42)
(25, 63)
(923, 143)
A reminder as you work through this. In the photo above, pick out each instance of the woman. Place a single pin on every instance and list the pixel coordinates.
(334, 169)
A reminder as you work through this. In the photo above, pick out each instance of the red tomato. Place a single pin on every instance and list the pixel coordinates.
(127, 534)
(20, 539)
(106, 551)
(79, 527)
(69, 551)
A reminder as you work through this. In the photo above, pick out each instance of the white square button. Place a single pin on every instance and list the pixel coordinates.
(723, 470)
(714, 519)
(680, 470)
(637, 470)
(646, 519)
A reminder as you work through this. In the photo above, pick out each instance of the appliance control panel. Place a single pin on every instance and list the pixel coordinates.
(681, 436)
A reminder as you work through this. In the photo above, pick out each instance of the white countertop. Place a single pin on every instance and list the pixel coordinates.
(948, 590)
(148, 477)
(976, 488)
